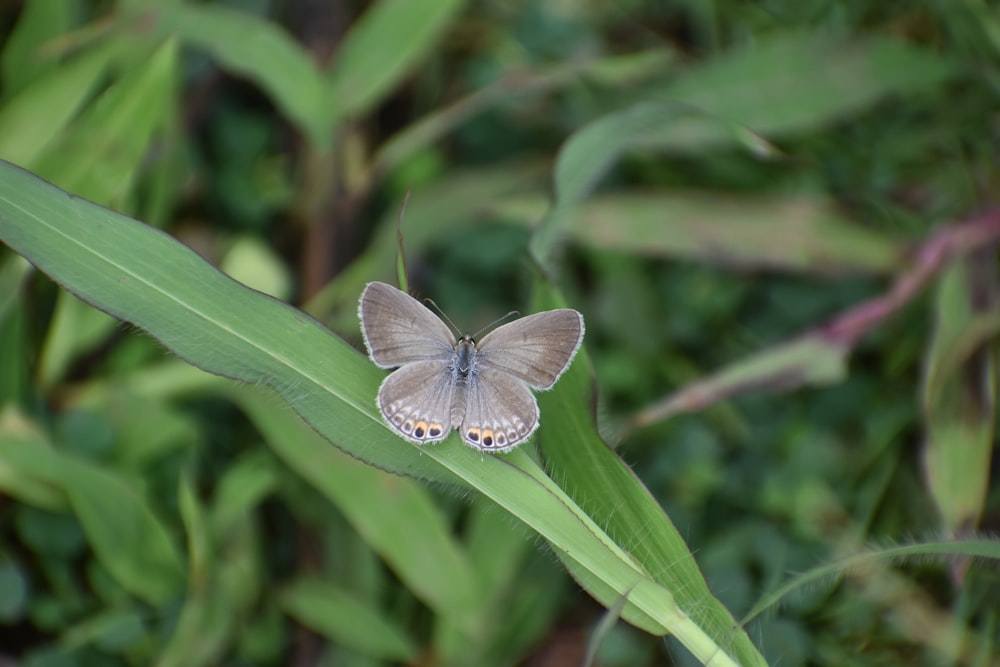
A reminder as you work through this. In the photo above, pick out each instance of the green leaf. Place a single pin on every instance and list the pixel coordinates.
(126, 535)
(242, 576)
(735, 231)
(26, 464)
(601, 632)
(99, 157)
(616, 70)
(22, 61)
(13, 591)
(14, 272)
(395, 516)
(347, 620)
(75, 329)
(121, 527)
(799, 81)
(112, 630)
(959, 393)
(15, 334)
(389, 41)
(224, 577)
(32, 120)
(257, 49)
(502, 555)
(588, 154)
(809, 360)
(788, 83)
(147, 430)
(207, 620)
(599, 481)
(249, 480)
(140, 274)
(431, 213)
(973, 548)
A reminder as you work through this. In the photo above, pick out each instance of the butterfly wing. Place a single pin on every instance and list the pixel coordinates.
(416, 401)
(500, 411)
(399, 329)
(535, 349)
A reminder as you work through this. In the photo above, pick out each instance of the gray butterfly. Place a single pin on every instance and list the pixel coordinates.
(443, 383)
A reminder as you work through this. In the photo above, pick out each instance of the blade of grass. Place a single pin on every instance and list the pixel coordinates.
(386, 43)
(139, 274)
(810, 360)
(347, 620)
(601, 632)
(975, 548)
(788, 83)
(21, 61)
(512, 86)
(394, 515)
(207, 622)
(959, 399)
(35, 118)
(801, 80)
(125, 533)
(817, 357)
(736, 231)
(430, 213)
(600, 483)
(249, 46)
(100, 157)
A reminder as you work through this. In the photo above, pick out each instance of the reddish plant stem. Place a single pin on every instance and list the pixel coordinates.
(940, 249)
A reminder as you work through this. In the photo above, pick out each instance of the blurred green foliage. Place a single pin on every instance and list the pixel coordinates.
(713, 185)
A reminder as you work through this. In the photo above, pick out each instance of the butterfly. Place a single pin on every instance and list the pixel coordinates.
(442, 383)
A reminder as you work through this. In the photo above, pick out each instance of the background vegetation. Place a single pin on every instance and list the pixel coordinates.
(778, 219)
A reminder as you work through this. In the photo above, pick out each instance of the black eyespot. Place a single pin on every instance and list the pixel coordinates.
(434, 432)
(473, 436)
(488, 441)
(419, 432)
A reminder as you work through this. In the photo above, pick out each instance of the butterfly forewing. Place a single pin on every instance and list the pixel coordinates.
(416, 401)
(399, 329)
(536, 349)
(500, 411)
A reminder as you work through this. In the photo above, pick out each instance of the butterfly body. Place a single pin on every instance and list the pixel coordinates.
(464, 361)
(445, 383)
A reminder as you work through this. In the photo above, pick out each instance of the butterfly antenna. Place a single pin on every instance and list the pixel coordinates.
(444, 316)
(495, 322)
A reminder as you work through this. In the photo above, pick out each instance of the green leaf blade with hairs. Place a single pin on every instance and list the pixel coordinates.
(145, 277)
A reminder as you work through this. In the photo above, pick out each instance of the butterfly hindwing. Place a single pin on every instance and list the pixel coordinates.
(500, 411)
(416, 401)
